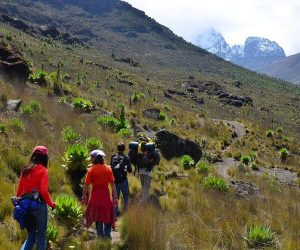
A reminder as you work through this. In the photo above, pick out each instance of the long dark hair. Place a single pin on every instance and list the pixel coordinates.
(99, 160)
(35, 159)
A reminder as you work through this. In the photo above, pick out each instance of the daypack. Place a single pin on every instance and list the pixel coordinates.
(118, 165)
(22, 206)
(139, 159)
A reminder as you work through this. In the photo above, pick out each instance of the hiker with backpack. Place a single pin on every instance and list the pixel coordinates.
(100, 206)
(144, 156)
(32, 198)
(120, 164)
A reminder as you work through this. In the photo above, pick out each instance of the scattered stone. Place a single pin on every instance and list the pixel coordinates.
(12, 63)
(13, 105)
(197, 99)
(152, 113)
(49, 31)
(170, 145)
(244, 189)
(125, 60)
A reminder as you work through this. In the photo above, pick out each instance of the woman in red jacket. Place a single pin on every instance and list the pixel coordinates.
(34, 178)
(100, 208)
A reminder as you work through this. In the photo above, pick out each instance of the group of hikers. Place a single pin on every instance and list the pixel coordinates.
(32, 195)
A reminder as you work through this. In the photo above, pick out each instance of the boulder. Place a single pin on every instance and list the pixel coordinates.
(171, 145)
(12, 63)
(13, 105)
(244, 189)
(152, 113)
(51, 31)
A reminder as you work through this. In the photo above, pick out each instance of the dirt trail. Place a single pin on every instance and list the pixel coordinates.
(281, 175)
(239, 130)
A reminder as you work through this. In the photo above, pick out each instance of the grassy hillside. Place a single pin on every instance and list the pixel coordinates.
(51, 114)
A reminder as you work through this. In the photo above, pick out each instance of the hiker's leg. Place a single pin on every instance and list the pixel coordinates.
(118, 189)
(29, 243)
(125, 192)
(41, 218)
(99, 228)
(145, 188)
(107, 230)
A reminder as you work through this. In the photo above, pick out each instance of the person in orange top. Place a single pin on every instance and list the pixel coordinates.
(34, 178)
(100, 208)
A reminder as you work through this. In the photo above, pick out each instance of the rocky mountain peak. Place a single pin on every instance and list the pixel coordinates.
(257, 52)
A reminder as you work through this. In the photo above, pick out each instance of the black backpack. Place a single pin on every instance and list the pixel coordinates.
(118, 163)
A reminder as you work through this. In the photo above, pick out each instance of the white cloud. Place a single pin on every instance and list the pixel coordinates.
(235, 19)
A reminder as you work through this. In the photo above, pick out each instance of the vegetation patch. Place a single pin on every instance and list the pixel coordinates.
(260, 237)
(215, 183)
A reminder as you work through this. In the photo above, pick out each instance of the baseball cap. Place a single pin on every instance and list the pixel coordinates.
(97, 152)
(40, 150)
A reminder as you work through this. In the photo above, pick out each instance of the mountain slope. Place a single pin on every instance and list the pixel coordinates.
(287, 69)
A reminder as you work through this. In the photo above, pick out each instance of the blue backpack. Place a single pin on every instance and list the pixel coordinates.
(22, 206)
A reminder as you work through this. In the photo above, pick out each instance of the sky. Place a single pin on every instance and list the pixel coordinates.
(277, 20)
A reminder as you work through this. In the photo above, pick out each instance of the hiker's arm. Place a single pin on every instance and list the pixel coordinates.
(20, 186)
(114, 191)
(128, 163)
(85, 189)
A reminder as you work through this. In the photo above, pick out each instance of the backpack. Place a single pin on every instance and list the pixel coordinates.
(118, 163)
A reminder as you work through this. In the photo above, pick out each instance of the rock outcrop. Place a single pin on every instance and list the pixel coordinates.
(244, 189)
(13, 105)
(12, 63)
(152, 113)
(170, 145)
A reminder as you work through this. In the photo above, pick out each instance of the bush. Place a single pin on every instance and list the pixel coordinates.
(202, 167)
(279, 130)
(212, 182)
(68, 210)
(284, 153)
(187, 162)
(82, 104)
(40, 78)
(260, 237)
(270, 133)
(93, 143)
(76, 158)
(52, 232)
(108, 121)
(114, 123)
(31, 107)
(162, 116)
(16, 124)
(2, 129)
(70, 135)
(137, 97)
(246, 159)
(125, 132)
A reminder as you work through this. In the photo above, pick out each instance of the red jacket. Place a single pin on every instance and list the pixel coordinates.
(36, 179)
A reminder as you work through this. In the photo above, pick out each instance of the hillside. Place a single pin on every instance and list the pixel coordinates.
(85, 74)
(287, 69)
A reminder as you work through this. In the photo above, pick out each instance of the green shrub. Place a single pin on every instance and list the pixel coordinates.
(32, 107)
(260, 237)
(52, 232)
(246, 159)
(70, 135)
(82, 104)
(114, 123)
(187, 162)
(76, 158)
(125, 132)
(16, 124)
(270, 133)
(202, 167)
(137, 97)
(162, 116)
(2, 129)
(39, 77)
(108, 121)
(212, 182)
(68, 210)
(284, 153)
(279, 130)
(14, 161)
(93, 143)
